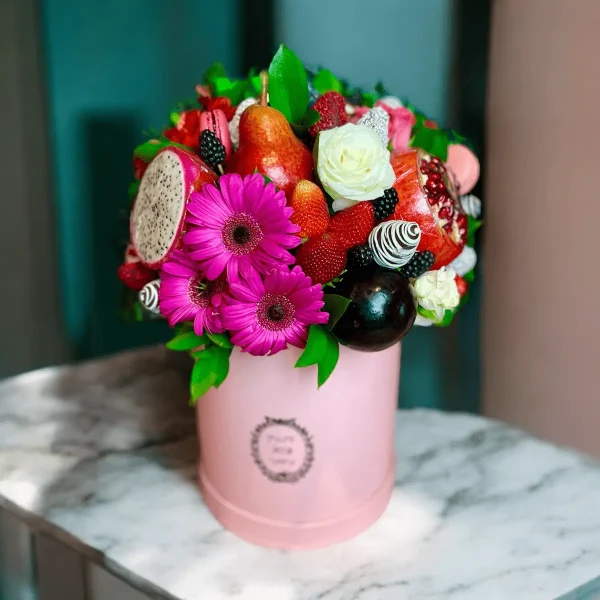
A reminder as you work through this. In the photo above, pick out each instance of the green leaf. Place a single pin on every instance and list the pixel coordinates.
(220, 339)
(434, 141)
(201, 381)
(381, 90)
(288, 85)
(187, 340)
(210, 370)
(316, 346)
(369, 99)
(328, 361)
(174, 117)
(311, 118)
(232, 89)
(325, 81)
(323, 350)
(213, 72)
(447, 319)
(470, 276)
(148, 150)
(220, 364)
(473, 225)
(443, 322)
(427, 314)
(132, 190)
(336, 306)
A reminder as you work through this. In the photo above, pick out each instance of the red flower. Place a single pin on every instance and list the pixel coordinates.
(221, 102)
(187, 131)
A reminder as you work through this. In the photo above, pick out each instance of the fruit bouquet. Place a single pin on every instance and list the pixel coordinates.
(291, 209)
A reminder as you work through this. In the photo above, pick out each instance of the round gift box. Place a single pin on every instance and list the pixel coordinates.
(286, 465)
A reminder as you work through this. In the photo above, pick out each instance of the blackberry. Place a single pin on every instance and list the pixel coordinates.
(359, 257)
(385, 205)
(418, 264)
(212, 150)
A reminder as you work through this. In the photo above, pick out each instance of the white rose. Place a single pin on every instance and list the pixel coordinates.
(437, 291)
(353, 165)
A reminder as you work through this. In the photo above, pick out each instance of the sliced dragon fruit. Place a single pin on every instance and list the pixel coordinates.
(159, 210)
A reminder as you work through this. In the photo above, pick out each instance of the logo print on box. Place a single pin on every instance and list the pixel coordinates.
(282, 450)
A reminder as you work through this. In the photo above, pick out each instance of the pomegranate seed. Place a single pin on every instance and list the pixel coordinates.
(435, 177)
(444, 212)
(433, 200)
(431, 184)
(435, 160)
(443, 198)
(461, 221)
(448, 227)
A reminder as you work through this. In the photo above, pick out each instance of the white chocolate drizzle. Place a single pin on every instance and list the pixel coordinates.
(394, 243)
(148, 296)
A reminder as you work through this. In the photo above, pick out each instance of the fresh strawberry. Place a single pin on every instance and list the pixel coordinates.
(332, 108)
(322, 258)
(310, 209)
(461, 285)
(353, 225)
(135, 275)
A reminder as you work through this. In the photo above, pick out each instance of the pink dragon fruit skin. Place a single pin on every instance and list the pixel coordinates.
(158, 215)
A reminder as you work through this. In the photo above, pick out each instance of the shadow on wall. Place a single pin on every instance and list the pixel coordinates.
(108, 139)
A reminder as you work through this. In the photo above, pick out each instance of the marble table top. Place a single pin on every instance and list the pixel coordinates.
(102, 456)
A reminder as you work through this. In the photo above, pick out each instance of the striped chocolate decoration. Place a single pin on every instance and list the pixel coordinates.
(148, 296)
(394, 243)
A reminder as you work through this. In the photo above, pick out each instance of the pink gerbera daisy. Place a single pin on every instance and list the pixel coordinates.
(264, 316)
(185, 295)
(243, 226)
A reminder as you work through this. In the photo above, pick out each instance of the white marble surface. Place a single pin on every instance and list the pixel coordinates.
(103, 456)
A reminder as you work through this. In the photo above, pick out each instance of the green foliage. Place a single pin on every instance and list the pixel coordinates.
(148, 150)
(132, 190)
(220, 339)
(210, 370)
(234, 89)
(473, 225)
(336, 306)
(323, 350)
(185, 340)
(433, 141)
(210, 352)
(288, 85)
(325, 81)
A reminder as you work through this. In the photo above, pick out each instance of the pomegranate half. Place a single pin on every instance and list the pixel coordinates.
(426, 195)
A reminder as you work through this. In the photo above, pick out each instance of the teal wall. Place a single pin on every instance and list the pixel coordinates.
(116, 67)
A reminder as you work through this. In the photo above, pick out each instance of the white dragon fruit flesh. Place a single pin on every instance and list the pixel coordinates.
(159, 210)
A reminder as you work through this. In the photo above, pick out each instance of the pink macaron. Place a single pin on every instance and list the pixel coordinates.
(216, 121)
(464, 165)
